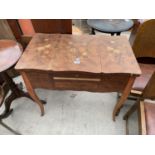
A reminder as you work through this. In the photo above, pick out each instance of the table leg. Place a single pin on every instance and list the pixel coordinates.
(1, 80)
(118, 33)
(93, 31)
(15, 93)
(124, 96)
(32, 92)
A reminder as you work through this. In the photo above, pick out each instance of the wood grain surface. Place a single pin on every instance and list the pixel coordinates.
(85, 53)
(10, 52)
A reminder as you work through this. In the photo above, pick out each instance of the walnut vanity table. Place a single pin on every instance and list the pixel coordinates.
(83, 63)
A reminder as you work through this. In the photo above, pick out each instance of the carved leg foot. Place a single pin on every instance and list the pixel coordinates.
(16, 92)
(43, 101)
(5, 114)
(123, 98)
(118, 33)
(92, 31)
(8, 102)
(4, 89)
(24, 94)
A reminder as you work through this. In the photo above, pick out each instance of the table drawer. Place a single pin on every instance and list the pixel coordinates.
(82, 84)
(104, 83)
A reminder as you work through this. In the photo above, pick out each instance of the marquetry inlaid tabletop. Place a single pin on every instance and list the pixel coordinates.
(84, 53)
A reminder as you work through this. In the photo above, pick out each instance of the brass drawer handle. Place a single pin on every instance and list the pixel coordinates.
(77, 79)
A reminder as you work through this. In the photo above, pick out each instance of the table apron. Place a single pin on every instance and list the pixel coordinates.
(102, 83)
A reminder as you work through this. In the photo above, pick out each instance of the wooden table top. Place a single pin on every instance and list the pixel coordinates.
(83, 53)
(10, 52)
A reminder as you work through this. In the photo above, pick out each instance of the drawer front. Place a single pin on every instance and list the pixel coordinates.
(104, 83)
(80, 85)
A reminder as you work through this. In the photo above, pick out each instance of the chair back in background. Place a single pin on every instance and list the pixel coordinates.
(149, 90)
(143, 43)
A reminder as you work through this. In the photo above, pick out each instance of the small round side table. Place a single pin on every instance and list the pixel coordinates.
(10, 52)
(112, 26)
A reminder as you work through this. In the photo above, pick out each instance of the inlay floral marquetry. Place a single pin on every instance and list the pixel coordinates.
(85, 53)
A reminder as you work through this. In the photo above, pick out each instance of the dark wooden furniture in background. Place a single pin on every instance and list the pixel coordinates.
(111, 26)
(84, 63)
(10, 52)
(24, 29)
(143, 42)
(62, 26)
(137, 24)
(143, 45)
(146, 109)
(5, 31)
(146, 118)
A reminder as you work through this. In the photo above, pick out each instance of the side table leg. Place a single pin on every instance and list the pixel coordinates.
(32, 92)
(8, 102)
(15, 93)
(93, 31)
(118, 33)
(124, 96)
